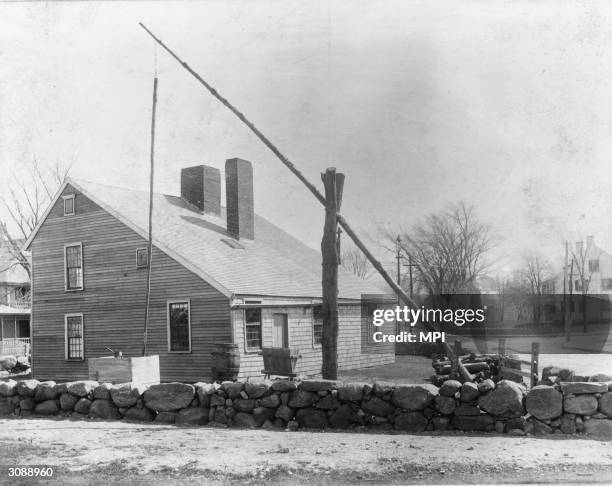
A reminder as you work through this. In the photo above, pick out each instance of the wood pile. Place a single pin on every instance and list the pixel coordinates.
(480, 366)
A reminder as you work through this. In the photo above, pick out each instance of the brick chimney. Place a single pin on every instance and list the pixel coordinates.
(239, 198)
(201, 186)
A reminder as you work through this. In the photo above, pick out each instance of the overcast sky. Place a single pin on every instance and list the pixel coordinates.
(505, 105)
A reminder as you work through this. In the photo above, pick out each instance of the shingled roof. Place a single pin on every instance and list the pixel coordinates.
(273, 264)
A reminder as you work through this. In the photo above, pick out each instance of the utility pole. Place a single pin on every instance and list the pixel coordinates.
(565, 301)
(398, 257)
(410, 265)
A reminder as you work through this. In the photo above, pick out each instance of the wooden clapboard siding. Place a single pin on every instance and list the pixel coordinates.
(113, 299)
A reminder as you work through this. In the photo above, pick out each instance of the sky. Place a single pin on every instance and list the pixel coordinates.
(504, 105)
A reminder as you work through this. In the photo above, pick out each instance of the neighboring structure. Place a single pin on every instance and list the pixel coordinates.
(14, 305)
(218, 275)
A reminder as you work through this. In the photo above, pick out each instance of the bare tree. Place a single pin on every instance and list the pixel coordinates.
(27, 199)
(529, 281)
(355, 261)
(585, 263)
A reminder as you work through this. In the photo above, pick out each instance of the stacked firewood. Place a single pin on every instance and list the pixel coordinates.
(480, 366)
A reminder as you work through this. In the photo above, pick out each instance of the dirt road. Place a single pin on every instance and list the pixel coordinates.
(95, 452)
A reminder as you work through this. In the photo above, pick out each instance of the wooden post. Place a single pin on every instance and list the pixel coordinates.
(535, 360)
(501, 346)
(329, 251)
(458, 348)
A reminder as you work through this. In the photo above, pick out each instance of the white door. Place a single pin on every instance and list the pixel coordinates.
(280, 335)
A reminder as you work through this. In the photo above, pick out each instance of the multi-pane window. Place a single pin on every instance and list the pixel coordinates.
(74, 267)
(142, 257)
(69, 205)
(179, 326)
(317, 324)
(252, 318)
(593, 266)
(74, 336)
(367, 315)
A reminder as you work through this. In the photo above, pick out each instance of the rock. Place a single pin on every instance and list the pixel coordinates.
(126, 394)
(600, 377)
(48, 407)
(445, 405)
(217, 401)
(350, 392)
(285, 396)
(440, 423)
(45, 391)
(141, 415)
(449, 388)
(318, 385)
(167, 397)
(292, 425)
(232, 388)
(243, 405)
(6, 407)
(230, 412)
(311, 418)
(486, 386)
(466, 409)
(411, 422)
(541, 428)
(192, 416)
(68, 401)
(82, 406)
(544, 402)
(469, 392)
(267, 425)
(82, 388)
(468, 423)
(284, 412)
(499, 427)
(204, 391)
(301, 399)
(516, 432)
(568, 425)
(382, 388)
(605, 404)
(328, 402)
(27, 388)
(516, 423)
(579, 424)
(600, 427)
(104, 409)
(8, 388)
(102, 391)
(7, 362)
(27, 403)
(342, 417)
(284, 386)
(261, 415)
(579, 387)
(414, 397)
(257, 390)
(506, 400)
(165, 417)
(244, 420)
(580, 404)
(271, 401)
(377, 406)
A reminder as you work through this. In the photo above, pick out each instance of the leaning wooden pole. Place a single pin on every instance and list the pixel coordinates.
(341, 221)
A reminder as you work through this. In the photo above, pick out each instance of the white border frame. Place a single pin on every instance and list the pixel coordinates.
(69, 196)
(66, 289)
(147, 252)
(178, 301)
(66, 316)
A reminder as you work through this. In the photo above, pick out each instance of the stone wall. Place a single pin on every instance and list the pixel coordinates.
(581, 407)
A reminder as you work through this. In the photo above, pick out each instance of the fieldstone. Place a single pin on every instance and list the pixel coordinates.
(293, 425)
(271, 401)
(68, 401)
(7, 362)
(516, 423)
(411, 422)
(579, 387)
(192, 416)
(568, 425)
(605, 404)
(414, 397)
(301, 399)
(499, 427)
(61, 388)
(449, 388)
(45, 391)
(104, 409)
(544, 402)
(516, 432)
(580, 404)
(217, 401)
(342, 417)
(261, 415)
(8, 388)
(256, 390)
(579, 424)
(230, 412)
(167, 397)
(486, 386)
(506, 400)
(599, 415)
(469, 392)
(6, 407)
(350, 392)
(27, 388)
(318, 385)
(165, 417)
(28, 403)
(382, 388)
(232, 388)
(311, 418)
(541, 427)
(445, 405)
(284, 412)
(48, 407)
(468, 423)
(102, 391)
(82, 388)
(328, 402)
(284, 385)
(440, 423)
(82, 406)
(601, 427)
(126, 394)
(141, 415)
(377, 406)
(243, 405)
(466, 409)
(204, 392)
(244, 420)
(285, 396)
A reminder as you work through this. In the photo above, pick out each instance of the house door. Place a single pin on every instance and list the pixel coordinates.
(280, 331)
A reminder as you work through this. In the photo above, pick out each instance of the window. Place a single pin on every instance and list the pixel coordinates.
(142, 257)
(367, 314)
(578, 285)
(179, 326)
(317, 324)
(74, 336)
(74, 266)
(252, 319)
(606, 283)
(68, 205)
(593, 266)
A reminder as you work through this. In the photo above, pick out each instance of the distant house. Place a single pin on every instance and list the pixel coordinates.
(218, 275)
